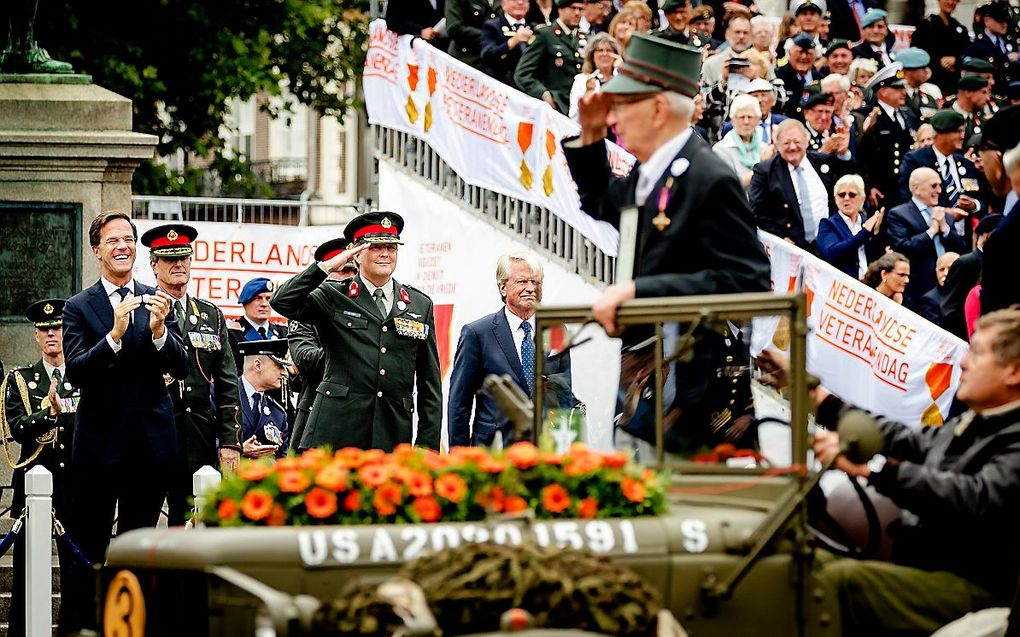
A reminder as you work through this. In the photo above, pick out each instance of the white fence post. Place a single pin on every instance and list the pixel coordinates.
(38, 550)
(205, 480)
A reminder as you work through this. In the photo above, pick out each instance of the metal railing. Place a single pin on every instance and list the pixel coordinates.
(536, 226)
(288, 212)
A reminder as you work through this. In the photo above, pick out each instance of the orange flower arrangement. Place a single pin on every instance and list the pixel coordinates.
(412, 485)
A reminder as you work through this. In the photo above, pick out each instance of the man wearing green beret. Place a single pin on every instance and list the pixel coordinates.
(963, 185)
(983, 68)
(548, 66)
(972, 96)
(686, 227)
(678, 21)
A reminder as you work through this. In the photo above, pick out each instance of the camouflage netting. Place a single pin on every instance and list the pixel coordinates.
(469, 588)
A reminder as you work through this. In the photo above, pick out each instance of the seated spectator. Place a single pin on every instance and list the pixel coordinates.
(798, 71)
(761, 37)
(703, 23)
(600, 59)
(923, 230)
(504, 39)
(742, 147)
(738, 40)
(642, 14)
(930, 305)
(923, 138)
(621, 27)
(889, 275)
(678, 19)
(792, 192)
(861, 71)
(817, 109)
(875, 38)
(963, 276)
(594, 17)
(850, 239)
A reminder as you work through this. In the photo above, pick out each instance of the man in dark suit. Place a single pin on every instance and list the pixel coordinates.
(39, 406)
(845, 18)
(548, 65)
(798, 71)
(306, 347)
(504, 40)
(792, 192)
(677, 28)
(883, 145)
(963, 275)
(996, 44)
(922, 230)
(118, 346)
(264, 426)
(205, 401)
(945, 39)
(930, 305)
(379, 339)
(963, 185)
(418, 18)
(464, 20)
(502, 343)
(693, 231)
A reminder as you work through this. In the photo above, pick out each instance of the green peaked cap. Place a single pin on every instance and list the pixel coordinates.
(652, 64)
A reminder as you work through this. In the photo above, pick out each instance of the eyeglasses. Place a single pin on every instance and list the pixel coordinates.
(847, 195)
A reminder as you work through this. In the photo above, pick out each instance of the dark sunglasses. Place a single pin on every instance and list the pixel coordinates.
(847, 195)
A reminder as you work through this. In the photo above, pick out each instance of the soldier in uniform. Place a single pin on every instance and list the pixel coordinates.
(548, 66)
(816, 111)
(808, 15)
(972, 98)
(306, 348)
(996, 45)
(264, 424)
(38, 412)
(678, 20)
(205, 402)
(464, 20)
(920, 99)
(797, 70)
(876, 43)
(883, 145)
(379, 340)
(945, 39)
(504, 40)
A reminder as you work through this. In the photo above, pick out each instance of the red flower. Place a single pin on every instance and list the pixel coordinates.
(489, 464)
(278, 517)
(403, 451)
(257, 504)
(419, 483)
(353, 501)
(616, 459)
(320, 503)
(451, 486)
(433, 460)
(386, 499)
(522, 455)
(293, 481)
(253, 471)
(312, 458)
(588, 508)
(332, 477)
(555, 499)
(633, 490)
(550, 458)
(514, 504)
(227, 509)
(374, 475)
(287, 464)
(427, 509)
(350, 457)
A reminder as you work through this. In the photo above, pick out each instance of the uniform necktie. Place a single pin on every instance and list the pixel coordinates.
(528, 356)
(262, 332)
(179, 309)
(948, 185)
(57, 377)
(380, 300)
(804, 198)
(256, 404)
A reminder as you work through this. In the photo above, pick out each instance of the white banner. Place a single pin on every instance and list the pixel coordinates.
(494, 136)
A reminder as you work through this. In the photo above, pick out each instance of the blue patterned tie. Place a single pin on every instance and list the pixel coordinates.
(948, 184)
(528, 356)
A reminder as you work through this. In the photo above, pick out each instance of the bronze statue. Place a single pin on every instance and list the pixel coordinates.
(23, 55)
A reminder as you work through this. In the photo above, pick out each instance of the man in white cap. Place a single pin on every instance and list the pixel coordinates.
(883, 145)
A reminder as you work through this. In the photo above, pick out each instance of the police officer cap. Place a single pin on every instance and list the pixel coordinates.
(672, 5)
(333, 247)
(275, 349)
(804, 41)
(891, 75)
(871, 16)
(375, 227)
(836, 45)
(253, 288)
(988, 224)
(946, 121)
(1002, 131)
(972, 83)
(46, 313)
(977, 65)
(816, 99)
(913, 58)
(800, 6)
(170, 240)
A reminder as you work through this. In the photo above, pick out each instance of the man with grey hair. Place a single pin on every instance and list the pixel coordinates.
(502, 343)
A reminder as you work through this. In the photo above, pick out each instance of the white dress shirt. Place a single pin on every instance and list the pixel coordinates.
(856, 227)
(516, 331)
(266, 325)
(893, 114)
(115, 300)
(650, 171)
(817, 197)
(387, 289)
(250, 391)
(49, 370)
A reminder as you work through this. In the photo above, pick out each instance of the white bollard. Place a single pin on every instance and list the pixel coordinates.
(206, 479)
(38, 551)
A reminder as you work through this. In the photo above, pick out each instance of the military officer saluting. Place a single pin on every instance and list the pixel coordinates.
(205, 402)
(38, 412)
(549, 64)
(264, 427)
(379, 340)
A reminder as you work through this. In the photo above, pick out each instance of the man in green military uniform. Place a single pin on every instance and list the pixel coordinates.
(972, 96)
(549, 64)
(464, 20)
(38, 412)
(205, 402)
(678, 21)
(379, 341)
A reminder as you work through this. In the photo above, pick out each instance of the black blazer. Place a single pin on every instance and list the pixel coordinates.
(774, 198)
(125, 410)
(972, 180)
(881, 151)
(486, 346)
(908, 234)
(411, 17)
(842, 24)
(963, 275)
(839, 247)
(498, 60)
(999, 287)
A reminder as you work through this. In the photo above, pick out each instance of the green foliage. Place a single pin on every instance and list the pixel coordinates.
(180, 61)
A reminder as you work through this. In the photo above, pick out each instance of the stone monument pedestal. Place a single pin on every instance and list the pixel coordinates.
(67, 153)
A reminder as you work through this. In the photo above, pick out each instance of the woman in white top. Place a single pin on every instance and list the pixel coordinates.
(600, 59)
(742, 147)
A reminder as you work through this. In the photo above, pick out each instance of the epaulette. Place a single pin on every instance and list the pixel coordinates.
(782, 62)
(540, 27)
(411, 287)
(205, 302)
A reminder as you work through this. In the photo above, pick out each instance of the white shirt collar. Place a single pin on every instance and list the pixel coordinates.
(515, 321)
(850, 224)
(249, 390)
(650, 171)
(889, 110)
(111, 288)
(49, 369)
(806, 163)
(387, 288)
(264, 324)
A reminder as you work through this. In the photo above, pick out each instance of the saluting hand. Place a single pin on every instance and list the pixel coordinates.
(593, 113)
(339, 261)
(158, 306)
(122, 316)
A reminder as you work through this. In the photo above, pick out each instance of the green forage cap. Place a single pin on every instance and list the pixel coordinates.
(652, 65)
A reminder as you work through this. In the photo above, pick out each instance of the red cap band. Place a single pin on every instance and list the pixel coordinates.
(179, 240)
(330, 255)
(375, 229)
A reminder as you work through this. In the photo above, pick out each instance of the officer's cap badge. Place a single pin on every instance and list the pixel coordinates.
(172, 235)
(48, 309)
(386, 223)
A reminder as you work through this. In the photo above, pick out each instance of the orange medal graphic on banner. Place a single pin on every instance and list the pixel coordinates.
(547, 176)
(430, 81)
(938, 378)
(412, 83)
(525, 131)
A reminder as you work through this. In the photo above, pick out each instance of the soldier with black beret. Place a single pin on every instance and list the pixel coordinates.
(205, 401)
(972, 97)
(38, 413)
(816, 111)
(379, 340)
(264, 425)
(678, 19)
(547, 67)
